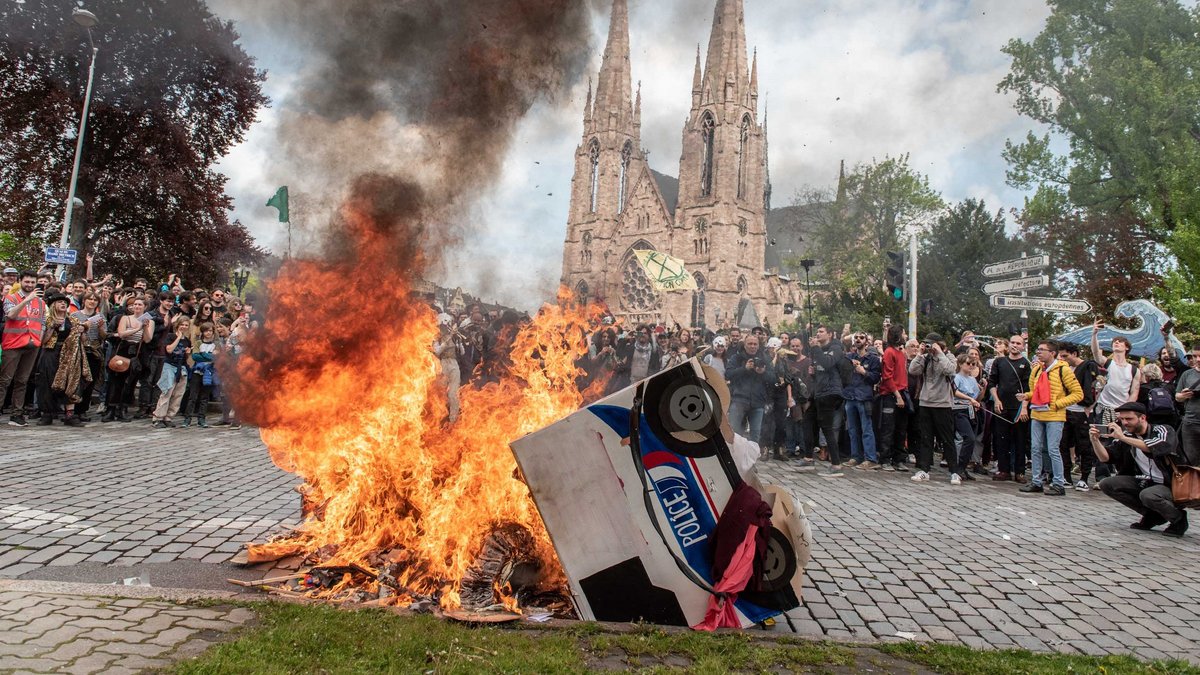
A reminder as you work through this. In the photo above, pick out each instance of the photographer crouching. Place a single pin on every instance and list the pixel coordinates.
(1140, 452)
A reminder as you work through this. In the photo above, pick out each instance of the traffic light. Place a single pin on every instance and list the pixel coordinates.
(895, 275)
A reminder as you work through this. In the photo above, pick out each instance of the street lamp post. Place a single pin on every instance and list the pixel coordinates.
(807, 264)
(240, 276)
(88, 21)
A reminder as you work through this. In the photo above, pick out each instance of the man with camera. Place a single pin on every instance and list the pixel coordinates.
(750, 372)
(935, 414)
(1141, 453)
(24, 322)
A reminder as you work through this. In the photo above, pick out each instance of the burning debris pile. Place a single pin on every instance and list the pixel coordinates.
(341, 379)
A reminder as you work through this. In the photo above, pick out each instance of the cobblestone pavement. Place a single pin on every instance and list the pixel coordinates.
(124, 494)
(984, 565)
(978, 564)
(55, 632)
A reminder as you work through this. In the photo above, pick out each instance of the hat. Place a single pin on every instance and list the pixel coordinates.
(774, 343)
(933, 337)
(719, 341)
(1133, 407)
(445, 320)
(55, 297)
(10, 270)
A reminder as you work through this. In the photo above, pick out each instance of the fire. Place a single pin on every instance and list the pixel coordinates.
(345, 387)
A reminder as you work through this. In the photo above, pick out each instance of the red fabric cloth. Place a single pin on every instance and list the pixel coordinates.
(721, 612)
(744, 508)
(1041, 390)
(894, 377)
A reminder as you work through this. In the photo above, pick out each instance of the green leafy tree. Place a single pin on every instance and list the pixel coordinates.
(874, 210)
(1118, 81)
(173, 93)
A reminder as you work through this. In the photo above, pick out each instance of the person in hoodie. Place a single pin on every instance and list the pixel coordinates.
(935, 415)
(827, 358)
(858, 394)
(1052, 389)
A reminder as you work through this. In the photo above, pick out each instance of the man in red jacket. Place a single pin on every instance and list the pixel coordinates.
(24, 320)
(892, 405)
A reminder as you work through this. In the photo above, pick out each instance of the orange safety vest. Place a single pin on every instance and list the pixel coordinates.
(27, 328)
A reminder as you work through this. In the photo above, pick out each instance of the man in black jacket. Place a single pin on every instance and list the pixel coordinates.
(750, 373)
(1141, 453)
(828, 360)
(1075, 433)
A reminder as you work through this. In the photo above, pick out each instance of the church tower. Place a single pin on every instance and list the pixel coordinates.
(722, 175)
(607, 162)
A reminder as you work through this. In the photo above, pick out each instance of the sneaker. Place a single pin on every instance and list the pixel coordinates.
(803, 464)
(902, 468)
(160, 425)
(45, 420)
(866, 466)
(966, 475)
(202, 424)
(1177, 528)
(1148, 522)
(887, 467)
(72, 421)
(1001, 476)
(920, 477)
(1082, 486)
(1030, 487)
(1056, 491)
(833, 472)
(187, 422)
(17, 421)
(235, 425)
(955, 479)
(850, 464)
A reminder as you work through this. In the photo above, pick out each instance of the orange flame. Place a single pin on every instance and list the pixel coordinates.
(346, 389)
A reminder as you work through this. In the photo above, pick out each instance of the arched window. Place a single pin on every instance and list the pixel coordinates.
(623, 192)
(594, 181)
(698, 301)
(741, 284)
(707, 135)
(743, 151)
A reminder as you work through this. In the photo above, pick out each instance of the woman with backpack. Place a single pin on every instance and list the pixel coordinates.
(1123, 381)
(1158, 397)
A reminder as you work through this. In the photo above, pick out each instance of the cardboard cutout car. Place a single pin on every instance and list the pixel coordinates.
(631, 489)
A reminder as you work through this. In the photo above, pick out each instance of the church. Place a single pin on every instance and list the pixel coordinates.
(713, 217)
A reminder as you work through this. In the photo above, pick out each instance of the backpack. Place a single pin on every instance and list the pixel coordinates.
(1159, 400)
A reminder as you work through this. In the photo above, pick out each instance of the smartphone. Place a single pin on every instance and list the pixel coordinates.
(41, 287)
(1102, 428)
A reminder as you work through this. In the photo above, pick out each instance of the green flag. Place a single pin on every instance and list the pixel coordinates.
(280, 201)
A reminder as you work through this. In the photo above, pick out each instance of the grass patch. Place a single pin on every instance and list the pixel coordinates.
(959, 659)
(291, 638)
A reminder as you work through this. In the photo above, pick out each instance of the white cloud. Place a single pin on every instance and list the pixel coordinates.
(852, 81)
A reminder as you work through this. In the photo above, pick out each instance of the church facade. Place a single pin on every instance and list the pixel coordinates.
(713, 218)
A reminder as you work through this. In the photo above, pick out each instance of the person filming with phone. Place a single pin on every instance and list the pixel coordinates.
(24, 321)
(1141, 453)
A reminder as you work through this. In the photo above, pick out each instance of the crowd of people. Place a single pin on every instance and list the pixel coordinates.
(136, 351)
(1047, 416)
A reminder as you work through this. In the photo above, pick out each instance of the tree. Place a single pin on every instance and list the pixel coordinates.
(1117, 79)
(874, 211)
(173, 93)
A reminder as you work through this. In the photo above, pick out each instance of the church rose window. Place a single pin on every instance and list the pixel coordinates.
(636, 292)
(707, 135)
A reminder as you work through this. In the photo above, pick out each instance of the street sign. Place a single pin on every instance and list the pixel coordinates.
(1022, 284)
(61, 256)
(1064, 305)
(1033, 262)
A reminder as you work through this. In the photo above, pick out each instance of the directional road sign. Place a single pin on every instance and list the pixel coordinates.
(1016, 266)
(1023, 284)
(61, 256)
(1063, 305)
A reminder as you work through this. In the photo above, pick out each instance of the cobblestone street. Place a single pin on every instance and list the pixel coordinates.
(978, 564)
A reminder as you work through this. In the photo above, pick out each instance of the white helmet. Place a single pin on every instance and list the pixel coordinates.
(774, 343)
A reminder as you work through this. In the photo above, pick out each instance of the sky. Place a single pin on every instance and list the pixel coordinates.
(854, 81)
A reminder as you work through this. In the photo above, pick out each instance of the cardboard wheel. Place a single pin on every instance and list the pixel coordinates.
(779, 562)
(684, 412)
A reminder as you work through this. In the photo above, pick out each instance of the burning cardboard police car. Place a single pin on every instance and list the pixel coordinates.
(648, 504)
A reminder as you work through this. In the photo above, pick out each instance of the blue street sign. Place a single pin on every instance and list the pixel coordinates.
(61, 256)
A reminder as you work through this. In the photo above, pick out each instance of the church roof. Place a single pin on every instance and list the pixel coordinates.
(668, 187)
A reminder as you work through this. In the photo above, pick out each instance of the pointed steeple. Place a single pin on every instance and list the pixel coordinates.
(754, 76)
(841, 186)
(587, 107)
(726, 64)
(766, 162)
(696, 77)
(614, 95)
(637, 107)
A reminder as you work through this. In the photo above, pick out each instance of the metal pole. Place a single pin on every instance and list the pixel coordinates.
(808, 300)
(87, 102)
(912, 284)
(1024, 312)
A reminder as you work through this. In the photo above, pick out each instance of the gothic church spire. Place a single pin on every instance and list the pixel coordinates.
(614, 90)
(725, 70)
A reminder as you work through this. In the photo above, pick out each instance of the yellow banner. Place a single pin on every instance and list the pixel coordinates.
(665, 272)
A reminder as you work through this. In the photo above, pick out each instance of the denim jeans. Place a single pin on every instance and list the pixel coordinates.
(1045, 436)
(742, 415)
(862, 431)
